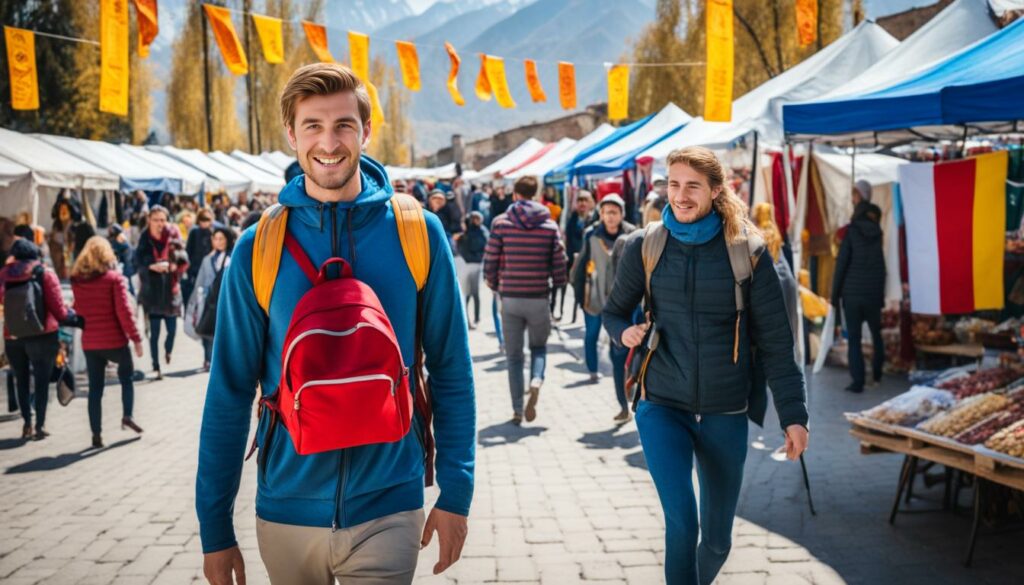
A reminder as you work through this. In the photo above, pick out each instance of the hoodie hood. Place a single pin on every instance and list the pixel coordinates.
(528, 215)
(866, 220)
(376, 188)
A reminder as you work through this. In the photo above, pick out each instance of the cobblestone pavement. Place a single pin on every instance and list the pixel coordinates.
(564, 500)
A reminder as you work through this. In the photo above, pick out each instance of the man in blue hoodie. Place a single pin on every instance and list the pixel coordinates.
(354, 514)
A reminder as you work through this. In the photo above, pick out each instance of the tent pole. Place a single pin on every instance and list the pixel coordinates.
(206, 84)
(753, 173)
(250, 85)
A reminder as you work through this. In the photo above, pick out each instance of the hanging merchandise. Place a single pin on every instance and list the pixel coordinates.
(495, 68)
(227, 39)
(148, 24)
(807, 21)
(268, 29)
(453, 75)
(718, 79)
(359, 54)
(567, 85)
(618, 92)
(533, 82)
(409, 62)
(21, 65)
(316, 34)
(483, 86)
(114, 57)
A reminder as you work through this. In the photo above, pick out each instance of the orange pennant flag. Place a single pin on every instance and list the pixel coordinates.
(376, 112)
(533, 82)
(719, 48)
(495, 68)
(483, 87)
(268, 29)
(409, 62)
(359, 54)
(316, 34)
(567, 85)
(807, 21)
(453, 75)
(227, 39)
(114, 57)
(149, 26)
(21, 64)
(618, 92)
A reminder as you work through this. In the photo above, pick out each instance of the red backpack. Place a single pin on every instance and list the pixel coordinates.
(327, 403)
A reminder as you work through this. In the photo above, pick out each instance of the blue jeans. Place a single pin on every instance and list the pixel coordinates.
(617, 354)
(154, 337)
(497, 320)
(671, 439)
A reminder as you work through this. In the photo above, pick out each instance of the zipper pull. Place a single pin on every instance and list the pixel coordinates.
(296, 404)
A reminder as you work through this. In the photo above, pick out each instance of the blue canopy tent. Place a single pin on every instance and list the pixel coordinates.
(622, 154)
(567, 171)
(979, 84)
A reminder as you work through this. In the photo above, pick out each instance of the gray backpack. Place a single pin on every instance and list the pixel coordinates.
(24, 308)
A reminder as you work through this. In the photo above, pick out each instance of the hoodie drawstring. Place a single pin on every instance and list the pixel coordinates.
(334, 230)
(351, 238)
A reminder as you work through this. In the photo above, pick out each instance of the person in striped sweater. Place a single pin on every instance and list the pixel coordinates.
(524, 260)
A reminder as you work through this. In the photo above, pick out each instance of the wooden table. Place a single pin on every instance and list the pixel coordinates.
(971, 351)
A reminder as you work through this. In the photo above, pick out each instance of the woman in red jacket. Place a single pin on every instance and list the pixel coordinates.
(39, 350)
(101, 296)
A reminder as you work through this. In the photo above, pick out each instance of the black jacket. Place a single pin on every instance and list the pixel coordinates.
(574, 229)
(199, 244)
(578, 276)
(472, 243)
(694, 306)
(860, 266)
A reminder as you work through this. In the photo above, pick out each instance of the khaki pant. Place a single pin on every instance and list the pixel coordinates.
(379, 552)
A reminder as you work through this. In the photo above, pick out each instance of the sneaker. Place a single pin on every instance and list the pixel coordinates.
(595, 377)
(517, 419)
(531, 403)
(97, 442)
(623, 416)
(854, 388)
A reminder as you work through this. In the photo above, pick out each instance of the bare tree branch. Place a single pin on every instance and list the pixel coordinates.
(757, 42)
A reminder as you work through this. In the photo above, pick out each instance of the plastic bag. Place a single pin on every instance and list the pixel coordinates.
(194, 312)
(827, 335)
(913, 406)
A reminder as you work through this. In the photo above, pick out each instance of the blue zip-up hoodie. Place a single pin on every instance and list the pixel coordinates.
(351, 486)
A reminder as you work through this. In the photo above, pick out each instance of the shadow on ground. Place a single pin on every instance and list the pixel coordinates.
(60, 461)
(506, 433)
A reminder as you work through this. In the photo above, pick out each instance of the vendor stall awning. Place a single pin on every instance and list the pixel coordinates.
(52, 167)
(261, 181)
(11, 171)
(543, 163)
(621, 154)
(192, 179)
(258, 162)
(278, 159)
(135, 173)
(522, 152)
(230, 180)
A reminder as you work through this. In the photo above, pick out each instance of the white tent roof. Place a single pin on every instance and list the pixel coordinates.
(760, 109)
(192, 179)
(599, 134)
(404, 173)
(52, 167)
(135, 173)
(11, 171)
(542, 165)
(261, 180)
(230, 180)
(258, 162)
(608, 159)
(516, 157)
(278, 158)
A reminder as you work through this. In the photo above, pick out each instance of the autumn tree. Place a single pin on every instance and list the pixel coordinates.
(390, 144)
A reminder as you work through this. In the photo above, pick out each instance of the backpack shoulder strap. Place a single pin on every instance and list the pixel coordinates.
(266, 252)
(655, 237)
(743, 257)
(412, 232)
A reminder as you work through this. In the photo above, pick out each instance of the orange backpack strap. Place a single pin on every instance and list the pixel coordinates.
(412, 232)
(266, 252)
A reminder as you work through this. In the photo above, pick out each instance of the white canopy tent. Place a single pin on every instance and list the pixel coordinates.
(193, 180)
(278, 159)
(258, 162)
(51, 170)
(261, 181)
(760, 109)
(440, 172)
(542, 165)
(12, 172)
(230, 180)
(521, 153)
(135, 173)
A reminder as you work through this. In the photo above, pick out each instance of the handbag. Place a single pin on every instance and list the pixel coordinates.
(64, 378)
(208, 320)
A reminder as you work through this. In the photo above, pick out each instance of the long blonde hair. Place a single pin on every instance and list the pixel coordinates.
(96, 258)
(735, 213)
(764, 217)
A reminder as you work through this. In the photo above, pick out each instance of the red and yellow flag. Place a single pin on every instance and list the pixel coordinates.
(359, 54)
(21, 64)
(807, 21)
(495, 68)
(718, 79)
(409, 62)
(149, 26)
(316, 34)
(533, 82)
(268, 29)
(483, 86)
(114, 57)
(618, 92)
(567, 85)
(227, 39)
(453, 75)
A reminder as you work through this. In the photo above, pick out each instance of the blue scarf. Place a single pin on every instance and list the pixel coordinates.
(699, 232)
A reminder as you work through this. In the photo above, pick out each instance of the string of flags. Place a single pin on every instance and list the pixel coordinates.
(491, 82)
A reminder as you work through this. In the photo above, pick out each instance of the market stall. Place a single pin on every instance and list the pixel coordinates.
(524, 151)
(259, 181)
(230, 180)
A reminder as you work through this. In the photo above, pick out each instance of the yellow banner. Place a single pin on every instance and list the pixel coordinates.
(376, 112)
(495, 67)
(359, 54)
(483, 87)
(533, 82)
(453, 75)
(21, 63)
(268, 29)
(718, 78)
(567, 85)
(409, 61)
(146, 14)
(114, 57)
(807, 21)
(618, 92)
(227, 40)
(316, 34)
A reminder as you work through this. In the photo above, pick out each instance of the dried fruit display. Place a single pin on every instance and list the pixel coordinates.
(913, 406)
(1009, 440)
(980, 382)
(965, 414)
(981, 432)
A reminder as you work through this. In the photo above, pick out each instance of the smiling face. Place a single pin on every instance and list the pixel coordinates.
(690, 196)
(328, 136)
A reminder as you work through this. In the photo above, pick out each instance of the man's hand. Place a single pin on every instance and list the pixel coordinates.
(451, 535)
(634, 335)
(138, 348)
(796, 441)
(218, 567)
